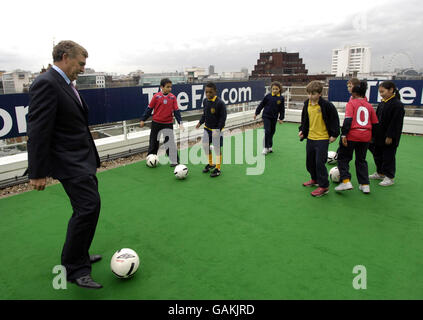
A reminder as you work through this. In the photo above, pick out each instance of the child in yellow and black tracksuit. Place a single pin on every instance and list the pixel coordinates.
(214, 118)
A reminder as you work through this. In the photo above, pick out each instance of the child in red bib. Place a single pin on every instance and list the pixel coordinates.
(356, 133)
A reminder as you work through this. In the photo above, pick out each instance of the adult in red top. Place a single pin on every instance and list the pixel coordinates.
(356, 133)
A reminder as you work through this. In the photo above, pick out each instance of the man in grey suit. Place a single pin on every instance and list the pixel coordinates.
(60, 145)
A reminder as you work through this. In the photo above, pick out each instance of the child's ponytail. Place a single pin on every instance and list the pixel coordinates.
(397, 94)
(360, 89)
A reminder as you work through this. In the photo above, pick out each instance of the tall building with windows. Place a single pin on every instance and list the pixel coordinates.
(153, 79)
(195, 73)
(91, 80)
(352, 59)
(16, 81)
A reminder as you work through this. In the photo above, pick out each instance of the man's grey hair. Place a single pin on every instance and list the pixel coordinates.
(69, 47)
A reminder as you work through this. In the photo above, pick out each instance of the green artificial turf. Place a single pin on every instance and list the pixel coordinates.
(236, 236)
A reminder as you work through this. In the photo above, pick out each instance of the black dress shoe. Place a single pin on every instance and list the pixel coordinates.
(86, 282)
(94, 258)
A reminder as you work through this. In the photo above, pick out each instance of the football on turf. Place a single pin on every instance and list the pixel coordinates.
(181, 171)
(334, 174)
(124, 263)
(332, 157)
(152, 160)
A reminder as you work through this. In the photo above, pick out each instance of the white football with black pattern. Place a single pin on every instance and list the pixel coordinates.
(124, 263)
(181, 171)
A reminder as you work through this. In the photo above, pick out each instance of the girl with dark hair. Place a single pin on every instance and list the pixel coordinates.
(351, 83)
(274, 108)
(390, 113)
(356, 134)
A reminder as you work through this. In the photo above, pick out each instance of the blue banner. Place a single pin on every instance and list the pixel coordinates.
(118, 104)
(410, 90)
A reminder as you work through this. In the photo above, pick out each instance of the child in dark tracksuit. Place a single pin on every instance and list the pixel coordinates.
(387, 133)
(274, 106)
(320, 126)
(214, 118)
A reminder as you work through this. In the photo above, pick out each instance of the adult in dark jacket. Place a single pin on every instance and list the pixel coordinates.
(387, 133)
(60, 145)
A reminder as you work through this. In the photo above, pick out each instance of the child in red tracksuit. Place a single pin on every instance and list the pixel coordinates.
(165, 106)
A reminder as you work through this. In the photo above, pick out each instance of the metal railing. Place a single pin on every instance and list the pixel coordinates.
(125, 128)
(294, 100)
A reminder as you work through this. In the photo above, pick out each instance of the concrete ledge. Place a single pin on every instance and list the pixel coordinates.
(15, 165)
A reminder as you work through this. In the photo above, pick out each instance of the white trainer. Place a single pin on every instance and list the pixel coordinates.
(365, 188)
(344, 186)
(376, 176)
(270, 150)
(386, 182)
(265, 151)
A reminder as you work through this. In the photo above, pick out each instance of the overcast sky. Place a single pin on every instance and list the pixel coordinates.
(158, 36)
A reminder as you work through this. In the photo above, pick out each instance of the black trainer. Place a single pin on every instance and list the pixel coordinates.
(208, 168)
(215, 173)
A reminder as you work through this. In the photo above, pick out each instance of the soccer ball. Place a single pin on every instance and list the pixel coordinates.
(334, 174)
(152, 160)
(124, 263)
(332, 157)
(181, 171)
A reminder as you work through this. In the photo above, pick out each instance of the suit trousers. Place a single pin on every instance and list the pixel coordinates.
(85, 200)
